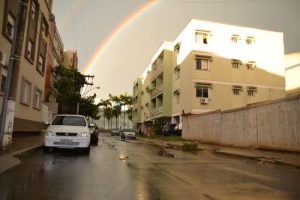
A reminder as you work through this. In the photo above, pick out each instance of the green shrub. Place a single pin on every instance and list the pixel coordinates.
(190, 147)
(158, 126)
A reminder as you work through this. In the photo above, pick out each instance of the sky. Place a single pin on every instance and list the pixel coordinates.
(116, 39)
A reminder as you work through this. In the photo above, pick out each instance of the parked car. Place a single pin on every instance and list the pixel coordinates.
(94, 130)
(169, 129)
(127, 133)
(178, 129)
(68, 131)
(115, 131)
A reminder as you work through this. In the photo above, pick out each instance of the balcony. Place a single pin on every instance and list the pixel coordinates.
(157, 111)
(156, 72)
(157, 90)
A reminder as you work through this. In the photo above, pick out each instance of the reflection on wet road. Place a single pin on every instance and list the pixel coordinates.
(131, 170)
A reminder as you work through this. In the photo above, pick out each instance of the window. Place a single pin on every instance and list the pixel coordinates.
(177, 96)
(202, 92)
(43, 30)
(235, 38)
(26, 92)
(236, 63)
(177, 72)
(250, 40)
(251, 65)
(202, 62)
(37, 99)
(41, 62)
(251, 91)
(177, 48)
(236, 90)
(29, 52)
(10, 24)
(201, 36)
(3, 79)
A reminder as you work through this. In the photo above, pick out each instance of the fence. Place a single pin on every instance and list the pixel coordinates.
(270, 125)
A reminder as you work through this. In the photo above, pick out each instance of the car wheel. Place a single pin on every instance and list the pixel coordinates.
(48, 149)
(87, 150)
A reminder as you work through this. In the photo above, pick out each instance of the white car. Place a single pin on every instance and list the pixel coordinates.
(127, 133)
(68, 131)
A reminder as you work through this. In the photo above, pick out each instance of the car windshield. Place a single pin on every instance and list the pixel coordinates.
(128, 130)
(69, 120)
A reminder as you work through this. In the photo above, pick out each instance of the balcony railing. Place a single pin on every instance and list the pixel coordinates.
(156, 111)
(157, 90)
(156, 72)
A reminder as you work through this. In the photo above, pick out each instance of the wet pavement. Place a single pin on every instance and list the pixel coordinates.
(131, 170)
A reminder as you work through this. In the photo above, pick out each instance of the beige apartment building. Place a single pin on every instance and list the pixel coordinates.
(137, 101)
(217, 67)
(27, 102)
(292, 73)
(70, 59)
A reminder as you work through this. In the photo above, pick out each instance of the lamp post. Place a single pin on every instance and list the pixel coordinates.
(77, 110)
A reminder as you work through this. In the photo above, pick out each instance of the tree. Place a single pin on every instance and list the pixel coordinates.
(108, 114)
(116, 107)
(67, 86)
(105, 103)
(89, 108)
(127, 102)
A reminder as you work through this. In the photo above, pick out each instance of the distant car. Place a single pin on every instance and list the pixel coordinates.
(115, 131)
(69, 132)
(127, 133)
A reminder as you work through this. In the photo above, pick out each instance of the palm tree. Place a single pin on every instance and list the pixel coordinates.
(123, 100)
(105, 103)
(116, 112)
(108, 114)
(127, 102)
(117, 104)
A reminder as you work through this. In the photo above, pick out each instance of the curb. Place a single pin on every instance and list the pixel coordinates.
(257, 158)
(26, 151)
(262, 159)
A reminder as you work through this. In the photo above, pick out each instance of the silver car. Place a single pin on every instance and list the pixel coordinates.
(115, 131)
(127, 133)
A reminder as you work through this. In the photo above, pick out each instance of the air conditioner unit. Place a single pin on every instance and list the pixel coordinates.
(204, 100)
(2, 58)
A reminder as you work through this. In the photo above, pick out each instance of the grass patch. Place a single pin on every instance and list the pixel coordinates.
(191, 147)
(166, 138)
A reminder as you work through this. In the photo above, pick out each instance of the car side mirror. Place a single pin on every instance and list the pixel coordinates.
(47, 123)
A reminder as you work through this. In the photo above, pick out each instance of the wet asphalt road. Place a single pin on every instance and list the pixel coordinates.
(131, 170)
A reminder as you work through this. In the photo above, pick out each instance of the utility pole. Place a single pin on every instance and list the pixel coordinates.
(13, 65)
(89, 82)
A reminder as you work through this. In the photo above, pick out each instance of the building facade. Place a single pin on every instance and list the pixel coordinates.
(39, 54)
(292, 73)
(54, 58)
(217, 67)
(70, 59)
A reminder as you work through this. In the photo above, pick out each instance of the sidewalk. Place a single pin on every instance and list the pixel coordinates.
(20, 145)
(267, 156)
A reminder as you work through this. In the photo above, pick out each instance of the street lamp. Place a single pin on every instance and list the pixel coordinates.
(77, 110)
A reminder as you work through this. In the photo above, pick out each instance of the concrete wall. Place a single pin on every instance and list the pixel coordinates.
(271, 125)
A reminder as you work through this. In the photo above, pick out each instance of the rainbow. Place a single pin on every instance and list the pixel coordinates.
(109, 39)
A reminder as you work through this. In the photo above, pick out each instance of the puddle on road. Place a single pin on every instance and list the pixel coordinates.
(162, 152)
(123, 158)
